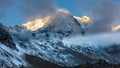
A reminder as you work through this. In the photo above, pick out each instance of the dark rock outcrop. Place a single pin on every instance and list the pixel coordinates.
(99, 64)
(37, 62)
(6, 38)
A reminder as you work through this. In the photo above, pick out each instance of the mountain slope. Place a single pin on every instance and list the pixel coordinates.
(52, 45)
(17, 41)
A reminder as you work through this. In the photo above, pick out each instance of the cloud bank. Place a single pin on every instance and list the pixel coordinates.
(104, 13)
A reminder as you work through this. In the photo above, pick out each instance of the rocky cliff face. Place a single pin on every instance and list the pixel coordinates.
(6, 38)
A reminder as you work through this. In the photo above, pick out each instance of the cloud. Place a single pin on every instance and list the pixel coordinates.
(84, 19)
(32, 9)
(116, 28)
(104, 13)
(63, 10)
(97, 40)
(37, 23)
(41, 22)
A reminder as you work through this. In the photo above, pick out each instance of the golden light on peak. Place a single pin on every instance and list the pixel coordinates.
(84, 19)
(36, 24)
(116, 28)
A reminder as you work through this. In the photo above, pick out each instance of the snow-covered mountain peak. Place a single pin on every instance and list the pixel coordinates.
(59, 21)
(52, 43)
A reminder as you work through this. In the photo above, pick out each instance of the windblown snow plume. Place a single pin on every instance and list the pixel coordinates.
(116, 28)
(59, 17)
(104, 13)
(84, 19)
(63, 10)
(36, 24)
(32, 9)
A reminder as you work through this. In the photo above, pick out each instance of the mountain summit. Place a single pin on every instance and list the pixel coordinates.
(50, 45)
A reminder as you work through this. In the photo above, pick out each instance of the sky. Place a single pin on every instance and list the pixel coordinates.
(10, 10)
(12, 15)
(70, 5)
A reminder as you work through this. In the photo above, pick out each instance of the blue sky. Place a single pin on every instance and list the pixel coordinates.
(70, 5)
(13, 15)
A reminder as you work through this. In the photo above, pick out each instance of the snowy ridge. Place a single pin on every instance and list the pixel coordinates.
(94, 45)
(55, 43)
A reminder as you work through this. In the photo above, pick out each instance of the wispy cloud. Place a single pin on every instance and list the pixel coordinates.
(103, 12)
(32, 9)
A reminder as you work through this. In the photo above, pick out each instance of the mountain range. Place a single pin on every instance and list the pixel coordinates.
(60, 44)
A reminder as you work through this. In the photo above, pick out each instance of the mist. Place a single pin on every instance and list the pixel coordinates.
(104, 14)
(32, 9)
(96, 40)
